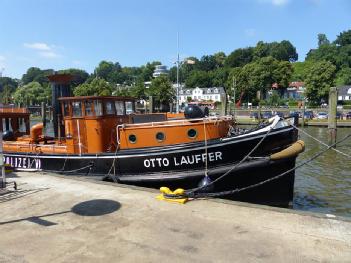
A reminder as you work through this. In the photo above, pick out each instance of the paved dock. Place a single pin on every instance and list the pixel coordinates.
(56, 219)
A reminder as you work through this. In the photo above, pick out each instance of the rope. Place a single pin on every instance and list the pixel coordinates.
(309, 135)
(191, 191)
(237, 190)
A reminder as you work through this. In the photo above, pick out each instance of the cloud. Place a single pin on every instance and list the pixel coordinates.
(37, 46)
(275, 2)
(77, 62)
(250, 32)
(44, 50)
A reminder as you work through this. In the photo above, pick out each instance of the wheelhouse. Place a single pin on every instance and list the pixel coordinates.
(89, 123)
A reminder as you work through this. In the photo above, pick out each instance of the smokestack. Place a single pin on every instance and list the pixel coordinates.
(60, 88)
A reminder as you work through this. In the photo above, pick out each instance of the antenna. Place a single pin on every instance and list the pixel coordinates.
(177, 104)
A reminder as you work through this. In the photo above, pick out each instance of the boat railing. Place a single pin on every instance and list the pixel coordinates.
(5, 109)
(175, 122)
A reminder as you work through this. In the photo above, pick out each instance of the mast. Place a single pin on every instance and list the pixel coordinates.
(177, 102)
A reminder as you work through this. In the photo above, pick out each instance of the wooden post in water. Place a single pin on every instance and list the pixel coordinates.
(303, 112)
(151, 104)
(332, 115)
(224, 104)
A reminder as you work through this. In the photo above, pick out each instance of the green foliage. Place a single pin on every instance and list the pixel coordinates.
(344, 38)
(79, 76)
(32, 94)
(197, 78)
(34, 74)
(98, 87)
(319, 79)
(322, 40)
(343, 77)
(239, 57)
(139, 90)
(259, 75)
(283, 50)
(299, 70)
(161, 89)
(293, 103)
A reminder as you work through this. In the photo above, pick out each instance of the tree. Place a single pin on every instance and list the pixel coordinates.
(344, 38)
(283, 50)
(322, 40)
(37, 75)
(9, 82)
(343, 77)
(197, 78)
(299, 70)
(207, 63)
(220, 58)
(239, 57)
(79, 76)
(32, 94)
(319, 79)
(139, 90)
(162, 91)
(98, 87)
(148, 69)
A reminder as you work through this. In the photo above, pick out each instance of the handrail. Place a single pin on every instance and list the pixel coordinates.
(182, 121)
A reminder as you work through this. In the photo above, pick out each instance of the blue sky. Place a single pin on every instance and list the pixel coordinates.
(80, 33)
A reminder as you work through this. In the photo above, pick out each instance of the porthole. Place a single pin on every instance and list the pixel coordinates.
(160, 136)
(192, 133)
(132, 138)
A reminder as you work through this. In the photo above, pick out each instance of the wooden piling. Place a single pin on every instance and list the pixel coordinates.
(333, 94)
(151, 104)
(224, 104)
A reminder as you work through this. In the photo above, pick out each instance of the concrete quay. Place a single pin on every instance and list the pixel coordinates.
(62, 219)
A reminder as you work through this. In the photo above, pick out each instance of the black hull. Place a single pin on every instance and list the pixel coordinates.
(184, 166)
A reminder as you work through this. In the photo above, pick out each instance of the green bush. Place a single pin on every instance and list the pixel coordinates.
(293, 103)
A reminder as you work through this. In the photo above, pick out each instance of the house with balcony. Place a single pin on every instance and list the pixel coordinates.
(344, 93)
(213, 94)
(295, 90)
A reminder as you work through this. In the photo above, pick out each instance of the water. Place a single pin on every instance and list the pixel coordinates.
(324, 185)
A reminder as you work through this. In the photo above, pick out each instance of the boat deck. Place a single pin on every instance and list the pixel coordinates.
(60, 219)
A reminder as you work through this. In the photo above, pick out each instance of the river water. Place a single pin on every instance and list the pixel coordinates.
(324, 185)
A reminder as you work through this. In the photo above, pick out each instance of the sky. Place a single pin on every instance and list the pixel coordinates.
(63, 34)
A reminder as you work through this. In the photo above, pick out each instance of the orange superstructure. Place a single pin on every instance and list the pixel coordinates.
(94, 124)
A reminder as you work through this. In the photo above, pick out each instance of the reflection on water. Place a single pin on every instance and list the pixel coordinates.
(324, 185)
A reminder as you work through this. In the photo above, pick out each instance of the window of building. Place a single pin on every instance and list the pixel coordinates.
(76, 109)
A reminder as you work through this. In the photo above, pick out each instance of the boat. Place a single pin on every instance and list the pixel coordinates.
(106, 137)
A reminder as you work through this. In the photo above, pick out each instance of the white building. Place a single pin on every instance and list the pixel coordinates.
(160, 70)
(201, 94)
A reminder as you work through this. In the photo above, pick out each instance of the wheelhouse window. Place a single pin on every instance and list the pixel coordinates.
(119, 107)
(109, 108)
(129, 107)
(77, 109)
(89, 111)
(66, 109)
(98, 107)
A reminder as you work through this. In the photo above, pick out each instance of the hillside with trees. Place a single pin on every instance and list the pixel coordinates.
(252, 69)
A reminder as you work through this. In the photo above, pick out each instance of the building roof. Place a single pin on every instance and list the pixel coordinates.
(344, 90)
(296, 84)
